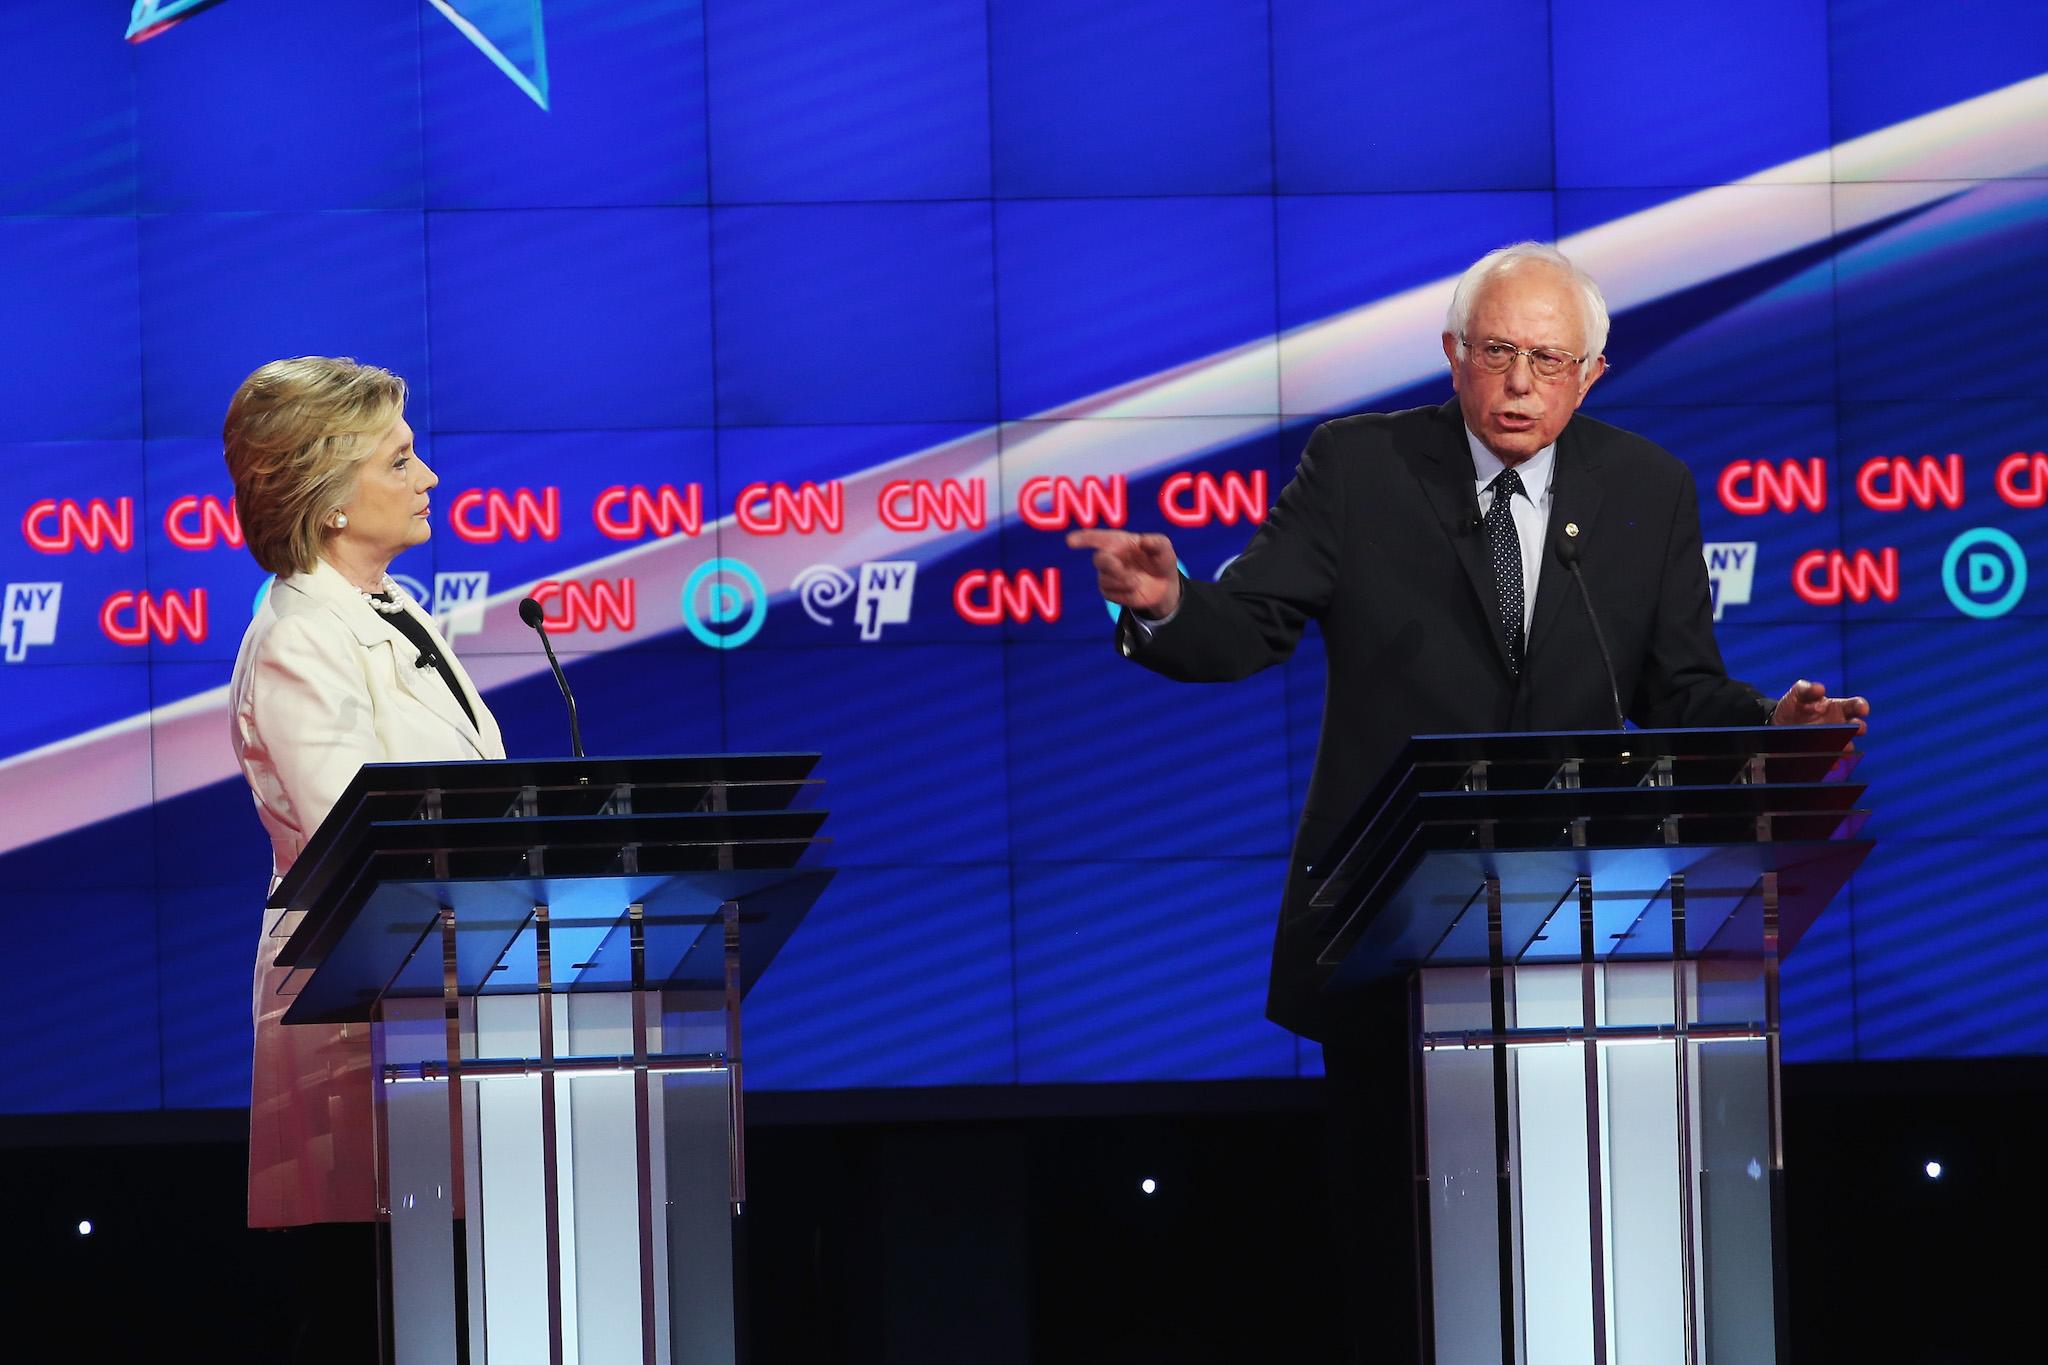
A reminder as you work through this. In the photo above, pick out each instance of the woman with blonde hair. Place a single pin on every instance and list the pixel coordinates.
(340, 667)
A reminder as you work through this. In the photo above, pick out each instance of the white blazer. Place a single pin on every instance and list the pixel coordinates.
(324, 684)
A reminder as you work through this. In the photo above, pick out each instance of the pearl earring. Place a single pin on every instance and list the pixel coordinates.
(341, 521)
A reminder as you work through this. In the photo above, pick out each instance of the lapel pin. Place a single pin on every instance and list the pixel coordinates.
(1571, 528)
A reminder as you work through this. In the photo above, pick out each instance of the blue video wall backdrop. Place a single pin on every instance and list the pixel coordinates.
(775, 345)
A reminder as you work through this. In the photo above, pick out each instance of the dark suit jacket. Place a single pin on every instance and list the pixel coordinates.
(1375, 537)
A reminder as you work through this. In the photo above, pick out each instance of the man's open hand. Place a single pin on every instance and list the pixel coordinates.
(1135, 571)
(1808, 703)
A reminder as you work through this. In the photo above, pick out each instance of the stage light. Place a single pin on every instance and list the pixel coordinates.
(1933, 1169)
(1149, 1185)
(85, 1227)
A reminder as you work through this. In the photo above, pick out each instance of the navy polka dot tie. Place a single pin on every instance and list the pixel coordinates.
(1507, 562)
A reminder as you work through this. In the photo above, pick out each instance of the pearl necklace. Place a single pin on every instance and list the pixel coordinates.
(386, 598)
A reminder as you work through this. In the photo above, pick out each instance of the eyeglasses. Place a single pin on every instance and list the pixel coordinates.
(1498, 357)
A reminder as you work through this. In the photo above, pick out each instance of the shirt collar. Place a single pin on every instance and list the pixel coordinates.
(1535, 471)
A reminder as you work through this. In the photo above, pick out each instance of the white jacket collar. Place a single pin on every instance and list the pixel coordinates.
(323, 585)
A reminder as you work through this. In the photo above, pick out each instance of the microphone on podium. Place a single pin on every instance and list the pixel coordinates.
(530, 612)
(1568, 555)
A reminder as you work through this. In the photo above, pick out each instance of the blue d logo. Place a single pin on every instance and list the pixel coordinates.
(1993, 573)
(717, 595)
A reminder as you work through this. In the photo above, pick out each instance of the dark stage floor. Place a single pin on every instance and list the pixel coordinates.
(958, 1227)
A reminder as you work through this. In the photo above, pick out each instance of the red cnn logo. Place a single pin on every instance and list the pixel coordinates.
(1886, 483)
(2023, 479)
(194, 522)
(919, 504)
(131, 618)
(1198, 499)
(1749, 488)
(987, 597)
(596, 605)
(1053, 503)
(58, 526)
(769, 509)
(1825, 577)
(664, 511)
(521, 515)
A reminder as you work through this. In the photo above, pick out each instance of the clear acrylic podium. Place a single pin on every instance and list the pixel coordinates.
(552, 957)
(1591, 926)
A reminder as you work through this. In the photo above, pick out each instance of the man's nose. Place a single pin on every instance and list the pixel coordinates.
(1521, 375)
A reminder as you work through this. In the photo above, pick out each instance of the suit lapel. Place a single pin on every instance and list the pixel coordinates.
(325, 585)
(1574, 501)
(1447, 480)
(426, 685)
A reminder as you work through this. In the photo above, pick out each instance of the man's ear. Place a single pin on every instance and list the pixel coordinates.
(1593, 373)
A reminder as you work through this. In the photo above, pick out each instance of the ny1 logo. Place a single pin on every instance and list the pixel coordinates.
(28, 616)
(1731, 573)
(884, 587)
(457, 605)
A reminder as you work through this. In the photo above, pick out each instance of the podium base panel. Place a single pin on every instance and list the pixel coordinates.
(1601, 1168)
(590, 1213)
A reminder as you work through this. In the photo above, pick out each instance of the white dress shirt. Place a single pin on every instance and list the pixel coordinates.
(1530, 511)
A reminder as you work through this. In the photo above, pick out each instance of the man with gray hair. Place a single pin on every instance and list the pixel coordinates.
(1424, 544)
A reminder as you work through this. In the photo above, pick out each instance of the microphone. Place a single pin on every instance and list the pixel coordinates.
(427, 660)
(1568, 555)
(530, 612)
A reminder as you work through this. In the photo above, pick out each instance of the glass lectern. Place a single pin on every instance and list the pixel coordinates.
(1592, 926)
(552, 957)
